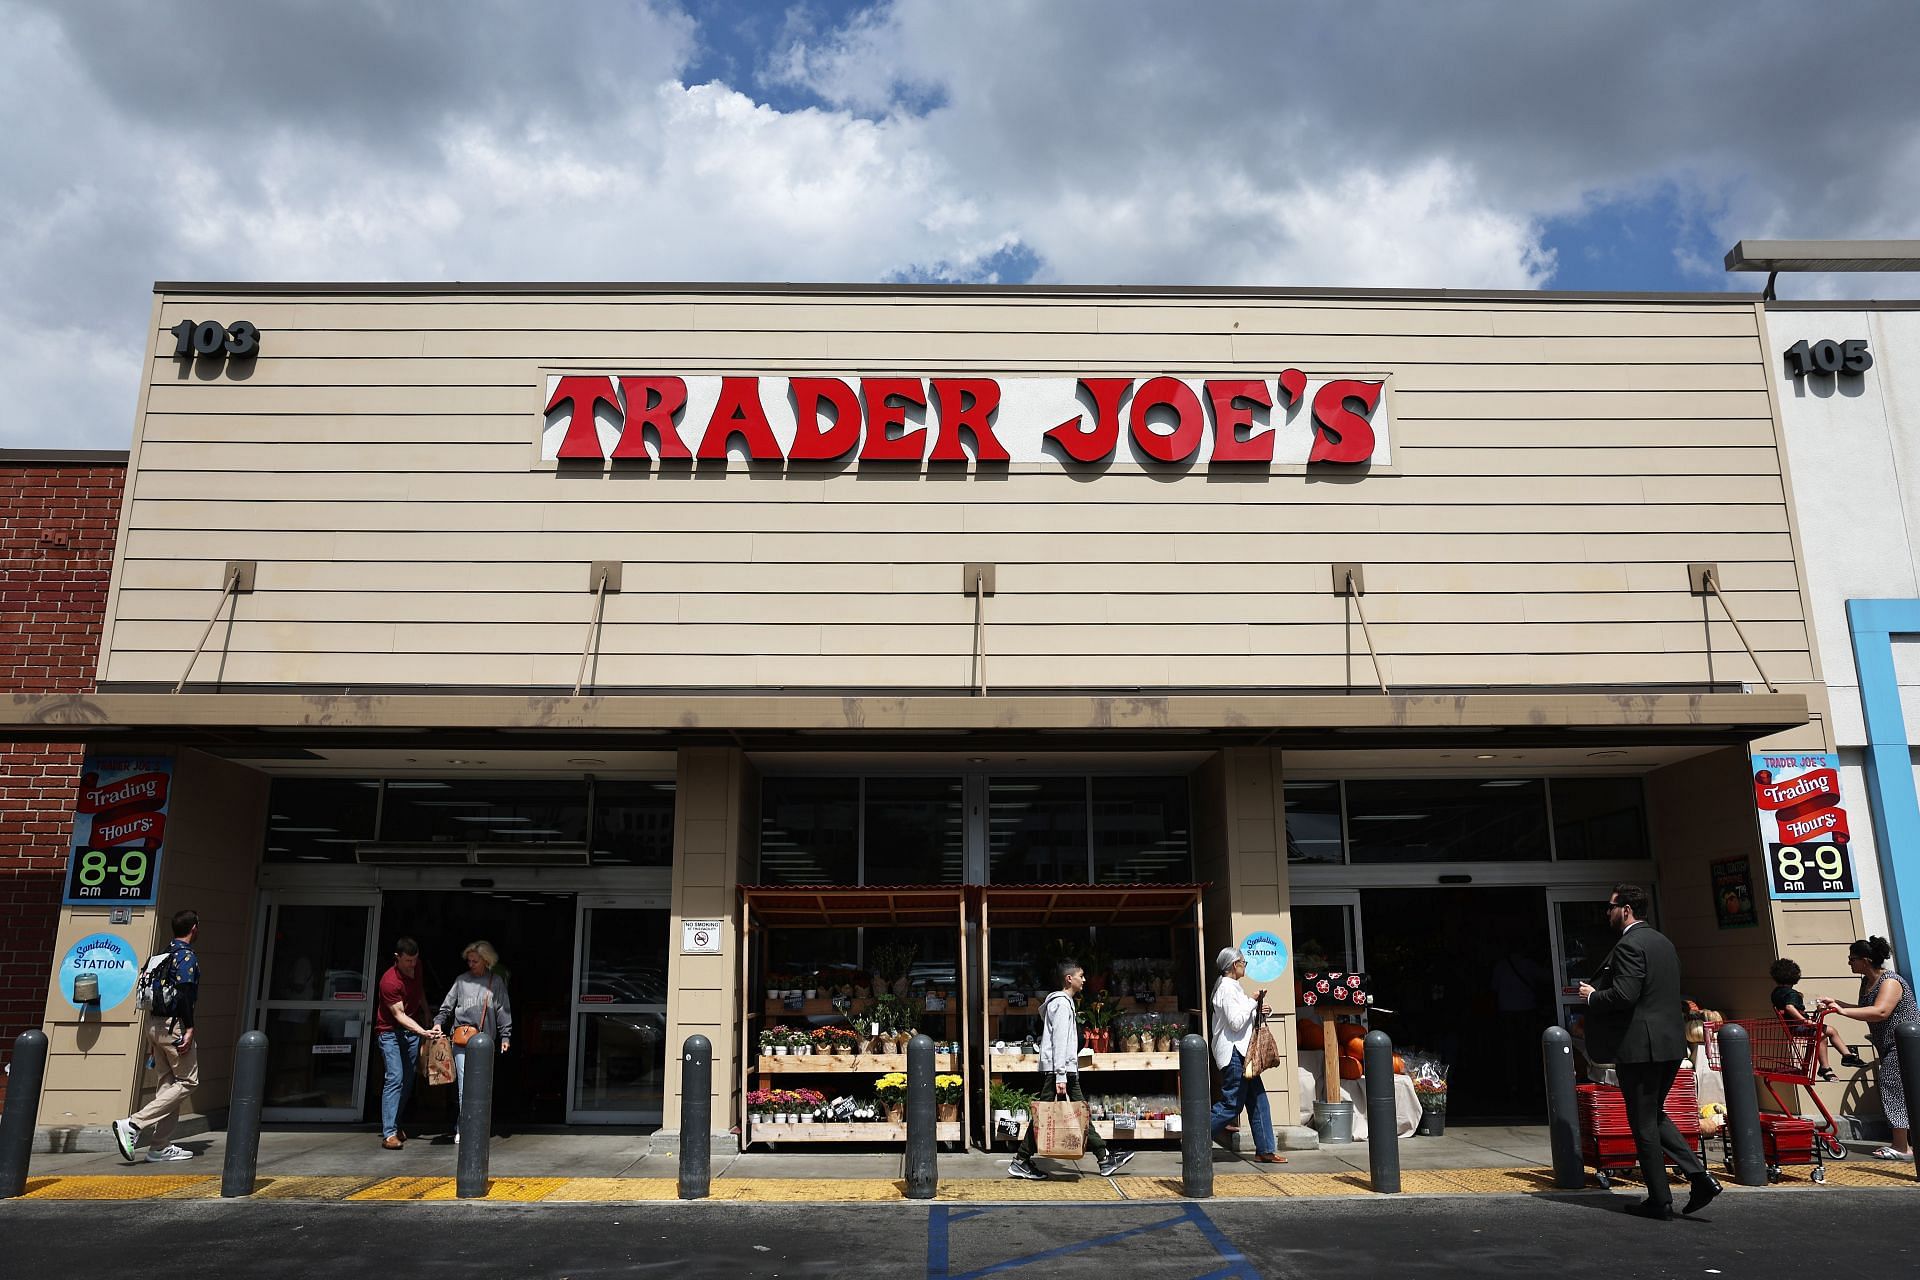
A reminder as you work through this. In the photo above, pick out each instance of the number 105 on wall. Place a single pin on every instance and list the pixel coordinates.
(1814, 869)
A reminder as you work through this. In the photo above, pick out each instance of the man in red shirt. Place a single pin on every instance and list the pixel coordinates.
(399, 1022)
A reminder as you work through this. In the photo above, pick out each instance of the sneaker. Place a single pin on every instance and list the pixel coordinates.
(1113, 1162)
(1019, 1168)
(1851, 1059)
(160, 1155)
(456, 1139)
(126, 1136)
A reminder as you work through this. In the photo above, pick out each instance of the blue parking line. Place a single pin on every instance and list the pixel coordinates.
(939, 1248)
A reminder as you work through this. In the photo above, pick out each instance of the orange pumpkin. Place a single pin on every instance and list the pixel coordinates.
(1309, 1035)
(1350, 1069)
(1354, 1047)
(1399, 1065)
(1346, 1031)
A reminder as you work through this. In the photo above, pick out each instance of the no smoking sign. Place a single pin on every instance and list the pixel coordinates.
(700, 937)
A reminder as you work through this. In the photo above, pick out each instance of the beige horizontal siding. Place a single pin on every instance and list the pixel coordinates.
(1555, 467)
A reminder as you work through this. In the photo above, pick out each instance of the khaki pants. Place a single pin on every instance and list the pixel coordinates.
(179, 1075)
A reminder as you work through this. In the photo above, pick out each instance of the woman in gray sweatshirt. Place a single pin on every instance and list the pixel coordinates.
(477, 999)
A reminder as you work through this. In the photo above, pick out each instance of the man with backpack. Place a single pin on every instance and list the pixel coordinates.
(169, 984)
(1060, 1058)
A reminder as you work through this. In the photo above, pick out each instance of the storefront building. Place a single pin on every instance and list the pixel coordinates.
(608, 623)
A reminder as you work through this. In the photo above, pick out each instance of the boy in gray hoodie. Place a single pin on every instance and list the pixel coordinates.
(1060, 1059)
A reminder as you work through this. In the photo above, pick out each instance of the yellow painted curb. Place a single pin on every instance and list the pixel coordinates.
(614, 1190)
(311, 1187)
(520, 1190)
(1021, 1191)
(116, 1187)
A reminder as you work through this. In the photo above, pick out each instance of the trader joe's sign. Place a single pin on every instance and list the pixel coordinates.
(1289, 418)
(1803, 825)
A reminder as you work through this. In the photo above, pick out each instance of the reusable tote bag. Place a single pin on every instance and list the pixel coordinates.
(1060, 1129)
(1263, 1053)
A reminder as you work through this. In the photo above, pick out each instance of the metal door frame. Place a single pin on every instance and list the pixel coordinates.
(272, 901)
(1349, 898)
(584, 902)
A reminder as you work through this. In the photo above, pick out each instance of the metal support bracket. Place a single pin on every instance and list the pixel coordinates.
(1350, 582)
(977, 584)
(235, 580)
(1704, 580)
(603, 576)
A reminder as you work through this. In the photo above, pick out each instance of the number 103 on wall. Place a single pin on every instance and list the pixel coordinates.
(1813, 869)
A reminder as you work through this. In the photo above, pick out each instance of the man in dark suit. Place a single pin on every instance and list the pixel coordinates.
(1636, 1020)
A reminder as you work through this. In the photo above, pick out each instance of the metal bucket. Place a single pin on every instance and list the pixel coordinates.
(1333, 1121)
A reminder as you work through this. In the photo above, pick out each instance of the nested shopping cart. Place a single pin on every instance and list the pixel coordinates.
(1780, 1056)
(1606, 1140)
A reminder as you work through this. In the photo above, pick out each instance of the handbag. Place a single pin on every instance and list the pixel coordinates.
(464, 1033)
(1060, 1129)
(1263, 1052)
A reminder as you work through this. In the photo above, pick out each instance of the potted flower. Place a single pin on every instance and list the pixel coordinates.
(807, 1104)
(946, 1096)
(1009, 1106)
(1430, 1084)
(891, 1090)
(776, 1041)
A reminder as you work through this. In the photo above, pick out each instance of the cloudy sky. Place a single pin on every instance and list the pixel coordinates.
(1468, 143)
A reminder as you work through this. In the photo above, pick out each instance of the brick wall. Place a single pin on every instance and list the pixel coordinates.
(58, 515)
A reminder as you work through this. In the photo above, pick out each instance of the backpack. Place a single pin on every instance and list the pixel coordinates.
(157, 990)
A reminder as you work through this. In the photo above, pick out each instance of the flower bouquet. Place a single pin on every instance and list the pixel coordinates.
(891, 1090)
(1430, 1084)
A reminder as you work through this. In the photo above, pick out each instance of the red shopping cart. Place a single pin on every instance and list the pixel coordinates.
(1784, 1055)
(1606, 1140)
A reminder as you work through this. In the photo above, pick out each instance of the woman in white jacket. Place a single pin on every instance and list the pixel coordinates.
(1235, 1014)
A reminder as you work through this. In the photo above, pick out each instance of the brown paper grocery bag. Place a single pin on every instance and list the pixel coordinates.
(1060, 1129)
(436, 1061)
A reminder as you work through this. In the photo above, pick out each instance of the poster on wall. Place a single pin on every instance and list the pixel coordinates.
(119, 829)
(1803, 826)
(1733, 900)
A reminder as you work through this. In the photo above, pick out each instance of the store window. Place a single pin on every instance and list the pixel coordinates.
(624, 823)
(1313, 822)
(915, 831)
(1447, 820)
(633, 824)
(1141, 832)
(320, 819)
(1037, 830)
(1599, 818)
(810, 831)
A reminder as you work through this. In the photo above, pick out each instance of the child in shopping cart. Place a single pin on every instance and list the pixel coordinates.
(1791, 1007)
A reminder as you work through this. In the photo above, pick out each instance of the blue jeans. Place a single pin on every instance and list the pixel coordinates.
(400, 1050)
(1239, 1091)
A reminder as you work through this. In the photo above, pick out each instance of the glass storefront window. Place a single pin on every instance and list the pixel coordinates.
(317, 953)
(633, 824)
(1447, 820)
(624, 955)
(320, 819)
(915, 831)
(810, 831)
(1141, 833)
(311, 1055)
(1313, 822)
(484, 811)
(1599, 818)
(620, 1065)
(1037, 830)
(1324, 938)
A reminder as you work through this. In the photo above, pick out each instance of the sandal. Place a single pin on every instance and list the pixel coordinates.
(1888, 1153)
(1826, 1075)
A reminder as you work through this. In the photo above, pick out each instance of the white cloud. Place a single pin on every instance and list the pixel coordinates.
(1237, 142)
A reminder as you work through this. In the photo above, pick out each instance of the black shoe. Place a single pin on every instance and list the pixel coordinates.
(1648, 1209)
(1021, 1169)
(1826, 1075)
(1113, 1162)
(1851, 1059)
(1704, 1190)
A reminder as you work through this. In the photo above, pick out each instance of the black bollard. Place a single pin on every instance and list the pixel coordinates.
(1196, 1119)
(243, 1115)
(1906, 1042)
(923, 1160)
(23, 1108)
(696, 1118)
(1383, 1124)
(1563, 1110)
(476, 1119)
(1743, 1106)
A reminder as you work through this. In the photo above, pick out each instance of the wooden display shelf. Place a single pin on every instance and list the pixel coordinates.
(822, 1063)
(862, 1131)
(1145, 1131)
(1099, 1062)
(1164, 1004)
(824, 1008)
